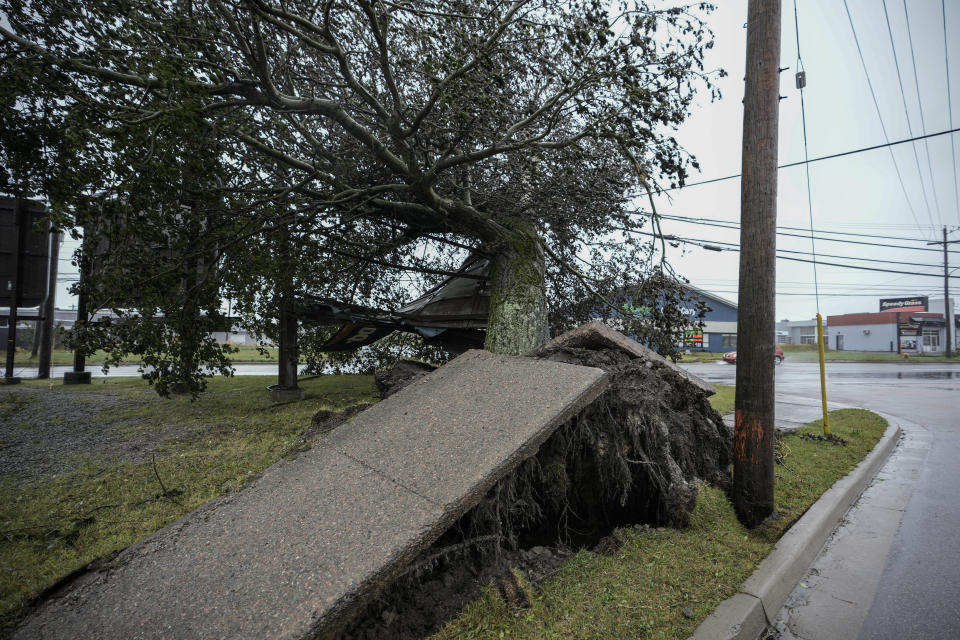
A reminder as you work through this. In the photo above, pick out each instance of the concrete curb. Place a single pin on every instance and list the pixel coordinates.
(745, 615)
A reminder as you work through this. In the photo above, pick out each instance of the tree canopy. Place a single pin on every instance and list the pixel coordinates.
(357, 149)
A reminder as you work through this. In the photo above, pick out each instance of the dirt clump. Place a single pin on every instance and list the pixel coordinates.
(325, 421)
(405, 372)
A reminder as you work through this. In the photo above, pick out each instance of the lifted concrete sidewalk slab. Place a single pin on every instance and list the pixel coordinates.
(260, 564)
(453, 433)
(312, 539)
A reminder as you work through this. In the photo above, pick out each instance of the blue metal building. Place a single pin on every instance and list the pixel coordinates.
(720, 323)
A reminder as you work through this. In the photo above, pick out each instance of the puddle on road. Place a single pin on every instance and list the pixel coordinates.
(902, 375)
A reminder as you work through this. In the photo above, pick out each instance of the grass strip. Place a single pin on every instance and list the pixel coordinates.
(52, 527)
(723, 400)
(662, 583)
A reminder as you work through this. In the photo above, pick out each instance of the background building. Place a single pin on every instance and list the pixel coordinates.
(798, 331)
(936, 306)
(719, 324)
(910, 332)
(911, 325)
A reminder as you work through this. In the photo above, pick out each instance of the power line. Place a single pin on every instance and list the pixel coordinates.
(826, 285)
(832, 156)
(801, 83)
(852, 289)
(786, 228)
(808, 295)
(906, 111)
(803, 253)
(953, 153)
(880, 116)
(828, 255)
(923, 124)
(735, 225)
(734, 247)
(807, 253)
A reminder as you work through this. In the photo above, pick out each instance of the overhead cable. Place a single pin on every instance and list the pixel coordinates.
(953, 152)
(788, 165)
(786, 228)
(883, 127)
(736, 225)
(801, 83)
(906, 111)
(923, 124)
(730, 246)
(734, 247)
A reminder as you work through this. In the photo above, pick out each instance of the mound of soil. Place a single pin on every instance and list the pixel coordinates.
(405, 372)
(633, 457)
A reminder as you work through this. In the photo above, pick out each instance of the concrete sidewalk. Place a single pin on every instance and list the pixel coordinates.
(833, 599)
(792, 412)
(819, 580)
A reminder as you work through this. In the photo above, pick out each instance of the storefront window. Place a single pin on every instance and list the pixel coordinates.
(931, 337)
(730, 341)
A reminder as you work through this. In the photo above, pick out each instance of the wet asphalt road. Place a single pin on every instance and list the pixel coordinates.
(129, 370)
(919, 592)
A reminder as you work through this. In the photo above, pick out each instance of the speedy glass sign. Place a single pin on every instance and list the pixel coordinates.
(915, 303)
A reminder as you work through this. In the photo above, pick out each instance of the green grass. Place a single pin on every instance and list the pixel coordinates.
(700, 356)
(640, 591)
(50, 528)
(722, 400)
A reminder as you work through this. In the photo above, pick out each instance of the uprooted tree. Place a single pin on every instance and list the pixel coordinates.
(350, 141)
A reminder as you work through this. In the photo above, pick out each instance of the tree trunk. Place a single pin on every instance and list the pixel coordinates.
(517, 322)
(288, 352)
(45, 329)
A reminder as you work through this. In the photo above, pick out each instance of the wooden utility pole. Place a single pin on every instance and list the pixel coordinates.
(753, 434)
(947, 316)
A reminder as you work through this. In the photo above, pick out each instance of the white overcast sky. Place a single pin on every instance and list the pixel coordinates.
(856, 194)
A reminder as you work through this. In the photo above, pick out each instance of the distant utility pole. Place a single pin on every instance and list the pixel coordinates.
(753, 434)
(947, 316)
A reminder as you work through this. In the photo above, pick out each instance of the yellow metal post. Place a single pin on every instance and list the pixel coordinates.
(823, 376)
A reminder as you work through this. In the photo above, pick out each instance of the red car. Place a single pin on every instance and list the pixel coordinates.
(730, 357)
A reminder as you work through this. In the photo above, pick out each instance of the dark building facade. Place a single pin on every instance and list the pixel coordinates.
(719, 324)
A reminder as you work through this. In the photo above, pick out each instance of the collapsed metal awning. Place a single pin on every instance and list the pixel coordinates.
(453, 314)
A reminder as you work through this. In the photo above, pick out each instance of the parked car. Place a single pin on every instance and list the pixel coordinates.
(730, 357)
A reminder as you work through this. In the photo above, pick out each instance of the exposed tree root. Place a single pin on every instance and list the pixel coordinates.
(633, 457)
